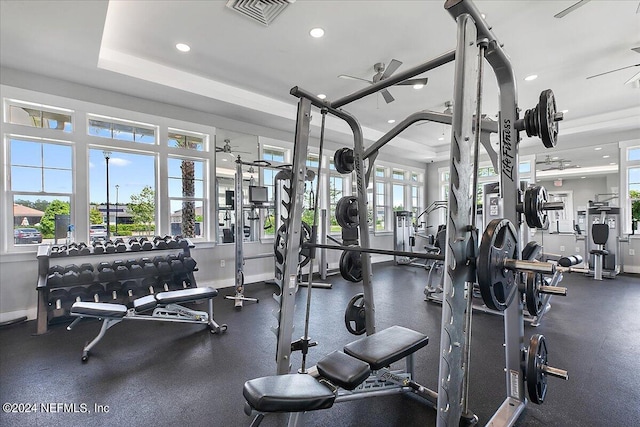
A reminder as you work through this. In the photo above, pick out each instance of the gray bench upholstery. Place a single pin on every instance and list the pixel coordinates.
(98, 309)
(287, 393)
(185, 295)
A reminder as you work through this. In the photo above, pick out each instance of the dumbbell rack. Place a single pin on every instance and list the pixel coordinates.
(45, 315)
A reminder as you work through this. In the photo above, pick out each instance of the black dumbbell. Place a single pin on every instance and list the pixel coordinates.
(59, 301)
(106, 273)
(177, 266)
(164, 268)
(121, 270)
(160, 243)
(62, 251)
(56, 268)
(146, 244)
(132, 290)
(134, 245)
(54, 280)
(149, 269)
(79, 293)
(83, 249)
(189, 263)
(163, 286)
(171, 242)
(98, 247)
(182, 242)
(121, 246)
(149, 285)
(71, 275)
(73, 249)
(97, 292)
(53, 251)
(86, 274)
(114, 292)
(109, 247)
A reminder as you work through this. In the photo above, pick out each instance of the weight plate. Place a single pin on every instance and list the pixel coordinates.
(347, 212)
(534, 200)
(536, 377)
(354, 315)
(305, 237)
(535, 300)
(343, 160)
(351, 266)
(497, 284)
(546, 118)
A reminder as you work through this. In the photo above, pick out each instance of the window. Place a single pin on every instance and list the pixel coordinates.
(380, 172)
(310, 190)
(186, 140)
(398, 197)
(397, 174)
(634, 192)
(336, 189)
(41, 185)
(415, 201)
(132, 191)
(122, 130)
(274, 154)
(186, 196)
(39, 116)
(271, 154)
(380, 210)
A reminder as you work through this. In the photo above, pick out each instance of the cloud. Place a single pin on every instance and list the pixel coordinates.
(115, 161)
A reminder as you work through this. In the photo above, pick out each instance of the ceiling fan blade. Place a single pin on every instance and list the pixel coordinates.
(347, 77)
(391, 68)
(387, 96)
(571, 8)
(413, 82)
(636, 49)
(633, 79)
(613, 71)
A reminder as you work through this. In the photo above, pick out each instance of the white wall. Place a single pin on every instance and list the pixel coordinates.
(18, 271)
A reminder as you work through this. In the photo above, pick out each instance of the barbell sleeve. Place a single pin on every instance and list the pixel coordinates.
(555, 372)
(553, 206)
(536, 267)
(553, 290)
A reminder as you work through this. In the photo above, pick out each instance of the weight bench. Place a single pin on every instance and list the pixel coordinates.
(362, 368)
(165, 305)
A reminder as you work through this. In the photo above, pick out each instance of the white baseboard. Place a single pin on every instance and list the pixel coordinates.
(12, 315)
(632, 269)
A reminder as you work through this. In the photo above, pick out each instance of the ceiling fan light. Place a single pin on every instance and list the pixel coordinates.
(322, 96)
(418, 86)
(531, 77)
(316, 32)
(598, 148)
(183, 47)
(391, 121)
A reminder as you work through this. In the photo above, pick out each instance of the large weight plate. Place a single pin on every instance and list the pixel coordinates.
(354, 315)
(347, 212)
(497, 284)
(343, 160)
(351, 266)
(534, 200)
(535, 301)
(536, 377)
(546, 119)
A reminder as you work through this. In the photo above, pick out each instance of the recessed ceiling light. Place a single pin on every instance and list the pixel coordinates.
(598, 148)
(322, 96)
(613, 163)
(182, 47)
(606, 156)
(224, 160)
(316, 32)
(418, 86)
(441, 138)
(531, 77)
(555, 158)
(565, 111)
(582, 177)
(391, 121)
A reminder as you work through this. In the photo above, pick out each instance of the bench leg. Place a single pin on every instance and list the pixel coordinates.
(106, 324)
(213, 326)
(296, 419)
(257, 420)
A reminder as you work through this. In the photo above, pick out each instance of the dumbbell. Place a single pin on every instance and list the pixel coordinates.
(189, 264)
(73, 250)
(160, 242)
(149, 285)
(120, 245)
(171, 242)
(134, 245)
(569, 261)
(146, 244)
(53, 251)
(163, 286)
(71, 275)
(109, 247)
(83, 249)
(149, 268)
(132, 290)
(106, 273)
(177, 266)
(97, 292)
(114, 292)
(55, 279)
(98, 247)
(59, 300)
(56, 268)
(79, 293)
(121, 270)
(135, 269)
(86, 274)
(164, 268)
(62, 251)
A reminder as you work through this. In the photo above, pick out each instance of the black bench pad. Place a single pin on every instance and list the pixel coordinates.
(145, 303)
(185, 295)
(387, 346)
(287, 393)
(98, 309)
(343, 370)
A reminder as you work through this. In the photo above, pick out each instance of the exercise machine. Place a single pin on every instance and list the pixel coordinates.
(603, 242)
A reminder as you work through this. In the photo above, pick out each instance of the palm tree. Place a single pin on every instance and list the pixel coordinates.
(188, 184)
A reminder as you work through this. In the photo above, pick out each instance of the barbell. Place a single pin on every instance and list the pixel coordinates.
(542, 120)
(535, 205)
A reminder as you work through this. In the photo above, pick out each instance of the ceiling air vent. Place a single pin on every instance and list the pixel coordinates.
(262, 11)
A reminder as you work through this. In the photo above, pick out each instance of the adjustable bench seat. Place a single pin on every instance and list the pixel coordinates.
(387, 346)
(98, 309)
(301, 392)
(173, 297)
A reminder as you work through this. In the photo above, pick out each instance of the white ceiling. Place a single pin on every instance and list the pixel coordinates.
(243, 70)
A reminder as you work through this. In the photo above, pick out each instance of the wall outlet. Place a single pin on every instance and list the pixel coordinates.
(577, 250)
(561, 248)
(632, 252)
(222, 263)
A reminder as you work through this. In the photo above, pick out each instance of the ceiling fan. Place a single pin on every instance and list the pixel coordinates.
(226, 148)
(383, 72)
(556, 164)
(632, 79)
(576, 5)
